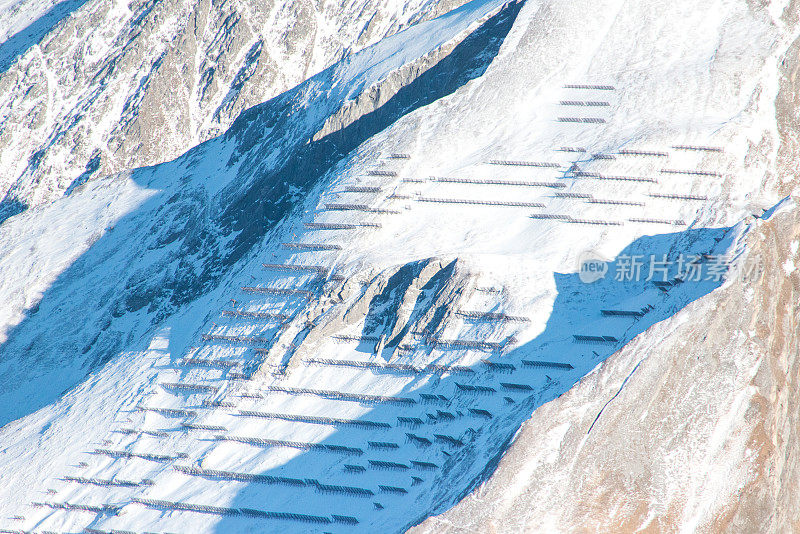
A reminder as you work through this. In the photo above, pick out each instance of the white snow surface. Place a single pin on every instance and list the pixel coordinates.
(699, 75)
(16, 15)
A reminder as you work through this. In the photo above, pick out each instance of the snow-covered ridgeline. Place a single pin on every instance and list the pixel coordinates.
(652, 161)
(94, 88)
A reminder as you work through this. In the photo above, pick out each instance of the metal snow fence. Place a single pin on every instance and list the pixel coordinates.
(337, 488)
(698, 148)
(154, 433)
(583, 120)
(362, 189)
(340, 226)
(170, 412)
(622, 313)
(550, 216)
(418, 440)
(315, 419)
(346, 337)
(600, 176)
(311, 246)
(354, 468)
(572, 195)
(481, 413)
(678, 197)
(374, 366)
(694, 172)
(412, 422)
(383, 445)
(279, 291)
(592, 103)
(430, 397)
(615, 202)
(240, 477)
(141, 455)
(391, 367)
(234, 339)
(594, 339)
(450, 440)
(236, 375)
(554, 365)
(425, 466)
(302, 445)
(187, 507)
(593, 221)
(435, 368)
(209, 403)
(392, 489)
(223, 511)
(673, 222)
(288, 516)
(493, 316)
(338, 395)
(483, 390)
(465, 343)
(663, 286)
(516, 387)
(212, 428)
(330, 226)
(500, 367)
(590, 86)
(203, 362)
(295, 267)
(651, 153)
(525, 163)
(357, 207)
(485, 181)
(346, 519)
(108, 483)
(382, 464)
(503, 203)
(180, 386)
(96, 508)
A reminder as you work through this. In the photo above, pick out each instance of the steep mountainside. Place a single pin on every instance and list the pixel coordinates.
(690, 428)
(117, 85)
(329, 260)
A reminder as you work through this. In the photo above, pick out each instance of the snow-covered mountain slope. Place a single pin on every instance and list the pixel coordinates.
(336, 315)
(90, 89)
(691, 428)
(26, 22)
(193, 220)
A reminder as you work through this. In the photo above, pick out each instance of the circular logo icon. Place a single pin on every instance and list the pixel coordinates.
(591, 267)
